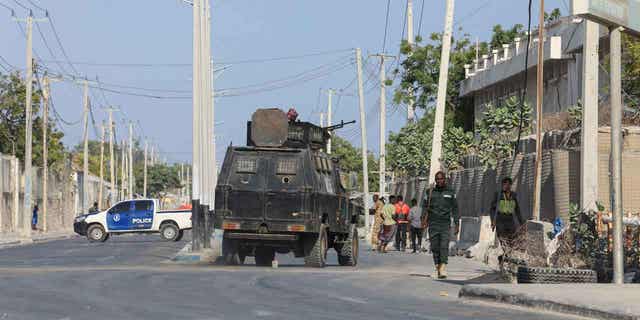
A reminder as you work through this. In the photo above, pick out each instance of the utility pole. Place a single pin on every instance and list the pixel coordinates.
(26, 227)
(321, 119)
(410, 38)
(616, 154)
(85, 160)
(329, 123)
(196, 118)
(383, 122)
(45, 132)
(101, 167)
(363, 140)
(208, 132)
(111, 157)
(539, 100)
(144, 187)
(438, 127)
(589, 132)
(131, 182)
(122, 170)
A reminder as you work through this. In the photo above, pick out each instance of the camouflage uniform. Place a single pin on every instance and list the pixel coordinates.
(377, 223)
(442, 207)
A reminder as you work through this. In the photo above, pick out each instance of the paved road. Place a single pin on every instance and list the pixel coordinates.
(128, 277)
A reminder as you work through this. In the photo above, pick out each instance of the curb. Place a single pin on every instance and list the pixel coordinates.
(504, 296)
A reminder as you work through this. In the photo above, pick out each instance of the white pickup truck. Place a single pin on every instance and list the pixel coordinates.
(137, 215)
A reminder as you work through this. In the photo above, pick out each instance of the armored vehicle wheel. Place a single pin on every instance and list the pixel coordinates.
(348, 254)
(264, 256)
(316, 256)
(230, 252)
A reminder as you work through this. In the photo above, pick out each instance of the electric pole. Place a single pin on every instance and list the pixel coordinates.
(131, 182)
(438, 128)
(45, 128)
(144, 187)
(383, 122)
(363, 140)
(410, 105)
(329, 120)
(85, 160)
(589, 132)
(616, 155)
(111, 158)
(539, 100)
(122, 170)
(101, 166)
(196, 118)
(26, 228)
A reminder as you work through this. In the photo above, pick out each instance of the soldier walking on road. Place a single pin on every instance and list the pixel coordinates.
(439, 206)
(377, 220)
(505, 213)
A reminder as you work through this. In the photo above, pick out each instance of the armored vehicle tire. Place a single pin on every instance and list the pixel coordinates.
(264, 256)
(169, 232)
(96, 233)
(230, 252)
(555, 275)
(316, 256)
(348, 254)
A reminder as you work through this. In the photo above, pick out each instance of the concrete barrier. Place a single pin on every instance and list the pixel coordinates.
(475, 236)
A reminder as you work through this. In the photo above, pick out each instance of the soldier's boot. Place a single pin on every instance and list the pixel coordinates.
(442, 271)
(436, 274)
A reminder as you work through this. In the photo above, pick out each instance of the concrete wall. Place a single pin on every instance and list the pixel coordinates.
(63, 190)
(477, 186)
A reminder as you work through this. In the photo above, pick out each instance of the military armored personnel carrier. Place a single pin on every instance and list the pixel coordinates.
(282, 193)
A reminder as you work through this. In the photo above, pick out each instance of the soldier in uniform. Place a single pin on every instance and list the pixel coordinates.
(377, 220)
(439, 206)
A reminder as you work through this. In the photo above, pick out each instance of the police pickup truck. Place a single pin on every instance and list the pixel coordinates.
(133, 216)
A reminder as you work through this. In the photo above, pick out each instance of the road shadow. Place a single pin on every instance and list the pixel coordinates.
(488, 278)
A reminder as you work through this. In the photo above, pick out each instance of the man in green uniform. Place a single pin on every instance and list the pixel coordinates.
(439, 206)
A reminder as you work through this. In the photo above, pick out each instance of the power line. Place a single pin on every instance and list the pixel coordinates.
(386, 27)
(473, 12)
(7, 7)
(46, 44)
(64, 52)
(21, 5)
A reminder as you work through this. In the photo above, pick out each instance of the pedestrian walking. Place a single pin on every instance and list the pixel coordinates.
(34, 218)
(505, 213)
(415, 220)
(401, 217)
(377, 220)
(440, 206)
(388, 225)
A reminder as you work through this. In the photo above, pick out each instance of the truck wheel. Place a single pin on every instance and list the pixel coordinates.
(169, 231)
(180, 235)
(96, 233)
(264, 256)
(348, 255)
(230, 252)
(317, 255)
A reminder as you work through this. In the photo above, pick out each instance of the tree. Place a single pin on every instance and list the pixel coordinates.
(12, 123)
(631, 70)
(160, 179)
(351, 161)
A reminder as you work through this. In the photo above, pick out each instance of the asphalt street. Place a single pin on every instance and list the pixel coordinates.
(131, 277)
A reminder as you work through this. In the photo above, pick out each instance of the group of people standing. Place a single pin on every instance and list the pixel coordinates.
(434, 216)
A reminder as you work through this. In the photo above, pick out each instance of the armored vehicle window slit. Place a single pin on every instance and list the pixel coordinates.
(244, 165)
(318, 164)
(287, 166)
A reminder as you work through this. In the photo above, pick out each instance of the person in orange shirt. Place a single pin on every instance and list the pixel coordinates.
(402, 218)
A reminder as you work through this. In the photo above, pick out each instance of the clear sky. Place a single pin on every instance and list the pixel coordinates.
(146, 44)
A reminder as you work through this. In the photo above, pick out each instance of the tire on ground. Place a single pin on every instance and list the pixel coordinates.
(180, 235)
(169, 231)
(96, 233)
(556, 275)
(264, 256)
(316, 256)
(348, 254)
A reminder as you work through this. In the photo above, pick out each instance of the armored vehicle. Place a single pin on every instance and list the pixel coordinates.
(282, 193)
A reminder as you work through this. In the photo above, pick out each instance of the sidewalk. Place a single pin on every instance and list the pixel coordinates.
(15, 239)
(600, 301)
